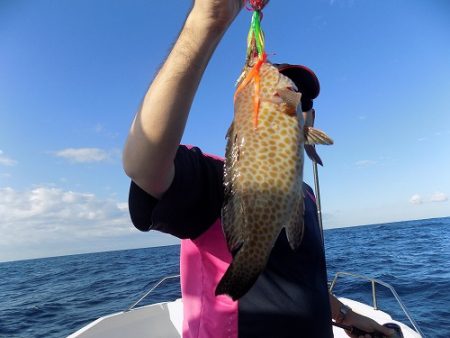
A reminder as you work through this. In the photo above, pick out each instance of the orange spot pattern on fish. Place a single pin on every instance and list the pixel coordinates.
(263, 177)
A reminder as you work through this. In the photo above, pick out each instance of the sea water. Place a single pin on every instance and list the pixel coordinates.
(53, 297)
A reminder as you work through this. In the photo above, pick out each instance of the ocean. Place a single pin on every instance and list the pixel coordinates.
(53, 297)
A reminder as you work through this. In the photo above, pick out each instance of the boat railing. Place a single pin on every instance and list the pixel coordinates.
(374, 282)
(145, 295)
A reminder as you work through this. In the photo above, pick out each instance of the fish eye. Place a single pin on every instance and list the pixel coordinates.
(292, 89)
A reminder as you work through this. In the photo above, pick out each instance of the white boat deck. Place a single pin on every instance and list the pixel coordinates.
(155, 320)
(164, 320)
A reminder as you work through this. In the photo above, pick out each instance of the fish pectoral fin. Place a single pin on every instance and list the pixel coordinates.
(316, 136)
(289, 96)
(312, 154)
(295, 228)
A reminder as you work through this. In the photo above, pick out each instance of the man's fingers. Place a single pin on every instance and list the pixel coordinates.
(352, 335)
(384, 330)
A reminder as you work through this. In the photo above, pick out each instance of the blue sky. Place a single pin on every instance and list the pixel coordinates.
(73, 73)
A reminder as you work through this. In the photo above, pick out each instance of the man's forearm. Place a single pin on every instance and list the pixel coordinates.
(158, 127)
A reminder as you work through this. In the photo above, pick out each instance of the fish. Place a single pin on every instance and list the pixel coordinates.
(263, 173)
(310, 149)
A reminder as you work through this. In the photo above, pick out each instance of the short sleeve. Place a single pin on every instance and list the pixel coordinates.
(190, 205)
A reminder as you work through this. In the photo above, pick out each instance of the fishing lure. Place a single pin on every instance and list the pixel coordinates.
(255, 50)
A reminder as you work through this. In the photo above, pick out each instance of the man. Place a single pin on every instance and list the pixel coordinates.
(178, 190)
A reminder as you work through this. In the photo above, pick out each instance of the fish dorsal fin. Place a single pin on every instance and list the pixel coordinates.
(290, 96)
(316, 136)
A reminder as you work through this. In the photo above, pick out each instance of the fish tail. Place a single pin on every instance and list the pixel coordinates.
(240, 275)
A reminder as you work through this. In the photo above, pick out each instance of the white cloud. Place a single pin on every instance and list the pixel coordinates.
(83, 155)
(49, 214)
(123, 206)
(101, 130)
(365, 163)
(416, 199)
(48, 221)
(436, 197)
(6, 161)
(439, 197)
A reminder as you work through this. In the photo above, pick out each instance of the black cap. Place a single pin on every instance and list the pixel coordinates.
(305, 80)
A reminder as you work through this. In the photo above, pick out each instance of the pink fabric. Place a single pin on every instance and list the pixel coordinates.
(203, 263)
(311, 196)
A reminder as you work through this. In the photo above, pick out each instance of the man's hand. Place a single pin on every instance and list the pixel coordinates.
(366, 324)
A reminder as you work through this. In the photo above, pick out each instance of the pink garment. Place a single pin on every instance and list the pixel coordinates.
(313, 198)
(203, 262)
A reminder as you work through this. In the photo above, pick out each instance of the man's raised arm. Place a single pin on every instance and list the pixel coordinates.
(158, 127)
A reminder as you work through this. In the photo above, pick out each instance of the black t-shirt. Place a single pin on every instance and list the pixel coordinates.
(290, 297)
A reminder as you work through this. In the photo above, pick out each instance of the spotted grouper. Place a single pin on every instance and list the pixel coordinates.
(263, 173)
